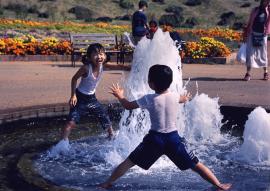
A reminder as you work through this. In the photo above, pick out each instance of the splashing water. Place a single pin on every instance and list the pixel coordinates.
(61, 148)
(134, 125)
(199, 121)
(201, 125)
(256, 146)
(91, 159)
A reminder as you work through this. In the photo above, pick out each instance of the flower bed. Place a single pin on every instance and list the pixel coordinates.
(206, 47)
(67, 26)
(224, 33)
(28, 45)
(201, 43)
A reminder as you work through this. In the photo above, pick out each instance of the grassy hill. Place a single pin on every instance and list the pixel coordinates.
(206, 14)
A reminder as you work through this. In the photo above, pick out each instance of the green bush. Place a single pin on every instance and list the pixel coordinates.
(171, 19)
(1, 11)
(20, 9)
(126, 4)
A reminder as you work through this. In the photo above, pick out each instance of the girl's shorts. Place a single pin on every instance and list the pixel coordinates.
(88, 104)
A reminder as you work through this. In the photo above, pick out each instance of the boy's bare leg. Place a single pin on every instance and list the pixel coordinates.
(67, 129)
(117, 173)
(208, 175)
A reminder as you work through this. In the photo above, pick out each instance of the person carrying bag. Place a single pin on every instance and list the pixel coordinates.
(255, 37)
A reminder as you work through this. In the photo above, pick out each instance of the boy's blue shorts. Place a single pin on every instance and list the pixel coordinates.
(88, 104)
(156, 144)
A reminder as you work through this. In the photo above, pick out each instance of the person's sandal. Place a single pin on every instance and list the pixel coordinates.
(266, 76)
(247, 77)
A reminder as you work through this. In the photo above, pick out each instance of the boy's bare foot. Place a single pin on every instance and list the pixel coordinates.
(224, 187)
(105, 185)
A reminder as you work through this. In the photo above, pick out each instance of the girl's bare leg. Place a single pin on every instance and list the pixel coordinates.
(67, 129)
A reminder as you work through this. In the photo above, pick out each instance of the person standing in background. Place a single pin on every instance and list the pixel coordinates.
(139, 22)
(255, 35)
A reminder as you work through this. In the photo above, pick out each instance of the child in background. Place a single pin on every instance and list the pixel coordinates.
(163, 137)
(83, 99)
(153, 27)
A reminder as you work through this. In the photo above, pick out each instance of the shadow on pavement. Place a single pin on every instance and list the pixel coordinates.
(214, 79)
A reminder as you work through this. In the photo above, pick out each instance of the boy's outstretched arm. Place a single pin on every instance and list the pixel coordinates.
(118, 92)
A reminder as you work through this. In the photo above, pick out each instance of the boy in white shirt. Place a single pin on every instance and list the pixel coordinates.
(163, 137)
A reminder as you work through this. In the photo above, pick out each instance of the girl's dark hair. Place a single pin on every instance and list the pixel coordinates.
(161, 76)
(85, 60)
(95, 47)
(92, 48)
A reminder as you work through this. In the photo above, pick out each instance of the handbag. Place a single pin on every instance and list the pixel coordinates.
(242, 53)
(257, 39)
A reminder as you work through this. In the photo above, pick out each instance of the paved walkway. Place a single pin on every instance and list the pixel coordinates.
(25, 84)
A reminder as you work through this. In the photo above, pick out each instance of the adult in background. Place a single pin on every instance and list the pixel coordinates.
(255, 35)
(139, 22)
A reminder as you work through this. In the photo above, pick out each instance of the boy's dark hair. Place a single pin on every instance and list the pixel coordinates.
(95, 47)
(161, 76)
(142, 4)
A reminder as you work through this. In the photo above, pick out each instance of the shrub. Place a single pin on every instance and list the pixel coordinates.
(16, 7)
(238, 26)
(43, 15)
(126, 4)
(245, 5)
(159, 1)
(81, 13)
(19, 9)
(171, 19)
(32, 9)
(174, 9)
(104, 19)
(191, 22)
(124, 17)
(227, 18)
(193, 2)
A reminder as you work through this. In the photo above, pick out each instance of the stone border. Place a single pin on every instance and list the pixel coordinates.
(128, 58)
(42, 111)
(215, 60)
(47, 111)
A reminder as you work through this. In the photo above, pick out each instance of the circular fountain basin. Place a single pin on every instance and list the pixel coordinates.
(26, 165)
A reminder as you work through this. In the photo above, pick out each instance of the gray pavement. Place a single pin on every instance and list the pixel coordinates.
(26, 84)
